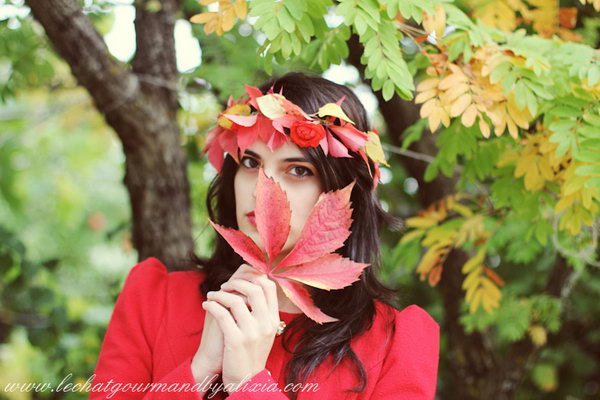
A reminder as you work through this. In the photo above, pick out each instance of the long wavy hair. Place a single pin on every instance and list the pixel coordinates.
(354, 305)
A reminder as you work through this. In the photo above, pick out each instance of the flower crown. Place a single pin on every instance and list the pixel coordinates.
(239, 126)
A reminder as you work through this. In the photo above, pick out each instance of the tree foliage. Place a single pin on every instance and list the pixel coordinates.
(509, 92)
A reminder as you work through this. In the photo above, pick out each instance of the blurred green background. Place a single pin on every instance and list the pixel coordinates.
(65, 216)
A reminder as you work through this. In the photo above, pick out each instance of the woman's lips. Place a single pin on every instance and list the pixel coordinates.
(251, 217)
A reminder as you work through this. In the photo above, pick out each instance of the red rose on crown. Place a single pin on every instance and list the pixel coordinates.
(307, 134)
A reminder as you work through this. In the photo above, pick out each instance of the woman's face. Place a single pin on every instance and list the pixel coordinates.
(294, 173)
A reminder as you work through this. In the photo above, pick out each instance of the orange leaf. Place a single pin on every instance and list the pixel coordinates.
(567, 17)
(435, 274)
(493, 276)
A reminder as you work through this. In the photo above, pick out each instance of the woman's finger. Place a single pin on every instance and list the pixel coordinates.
(237, 306)
(254, 293)
(270, 290)
(224, 319)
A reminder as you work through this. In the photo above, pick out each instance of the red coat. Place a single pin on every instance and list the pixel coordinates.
(150, 338)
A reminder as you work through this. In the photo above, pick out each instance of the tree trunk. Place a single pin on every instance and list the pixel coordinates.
(141, 106)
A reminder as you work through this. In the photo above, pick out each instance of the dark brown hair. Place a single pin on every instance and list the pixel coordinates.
(354, 305)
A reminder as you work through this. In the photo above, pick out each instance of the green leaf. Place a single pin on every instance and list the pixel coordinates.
(296, 8)
(593, 75)
(286, 20)
(413, 133)
(545, 376)
(587, 170)
(388, 90)
(431, 171)
(593, 182)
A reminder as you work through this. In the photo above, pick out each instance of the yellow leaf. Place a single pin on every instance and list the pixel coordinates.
(445, 117)
(211, 26)
(424, 96)
(374, 149)
(490, 289)
(468, 118)
(270, 105)
(421, 222)
(412, 235)
(455, 91)
(459, 106)
(451, 80)
(429, 107)
(430, 258)
(434, 119)
(538, 335)
(474, 261)
(475, 301)
(439, 236)
(471, 284)
(334, 110)
(462, 210)
(488, 303)
(203, 17)
(228, 19)
(533, 179)
(520, 117)
(484, 128)
(241, 9)
(435, 23)
(525, 163)
(428, 84)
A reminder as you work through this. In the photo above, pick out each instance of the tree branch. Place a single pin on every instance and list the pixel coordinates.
(112, 87)
(155, 45)
(143, 115)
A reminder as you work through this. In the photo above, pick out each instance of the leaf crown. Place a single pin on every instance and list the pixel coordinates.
(269, 116)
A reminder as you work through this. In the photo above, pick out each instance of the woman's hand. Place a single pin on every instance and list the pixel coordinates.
(208, 360)
(248, 335)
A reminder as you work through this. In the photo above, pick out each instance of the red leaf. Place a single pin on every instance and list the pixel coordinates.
(325, 230)
(301, 298)
(336, 148)
(272, 215)
(325, 144)
(254, 93)
(276, 140)
(352, 137)
(243, 245)
(243, 120)
(310, 261)
(331, 271)
(246, 136)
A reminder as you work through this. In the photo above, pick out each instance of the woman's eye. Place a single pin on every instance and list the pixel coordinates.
(301, 171)
(249, 162)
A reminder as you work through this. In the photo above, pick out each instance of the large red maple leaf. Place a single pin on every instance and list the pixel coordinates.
(311, 261)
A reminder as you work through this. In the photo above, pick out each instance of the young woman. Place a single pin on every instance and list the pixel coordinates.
(227, 330)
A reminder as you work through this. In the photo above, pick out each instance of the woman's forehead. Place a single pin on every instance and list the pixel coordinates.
(287, 150)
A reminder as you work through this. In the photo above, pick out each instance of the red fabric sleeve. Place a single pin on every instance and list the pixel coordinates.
(260, 386)
(409, 371)
(124, 368)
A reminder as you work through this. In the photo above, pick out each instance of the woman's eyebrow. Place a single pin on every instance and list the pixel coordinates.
(290, 159)
(295, 159)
